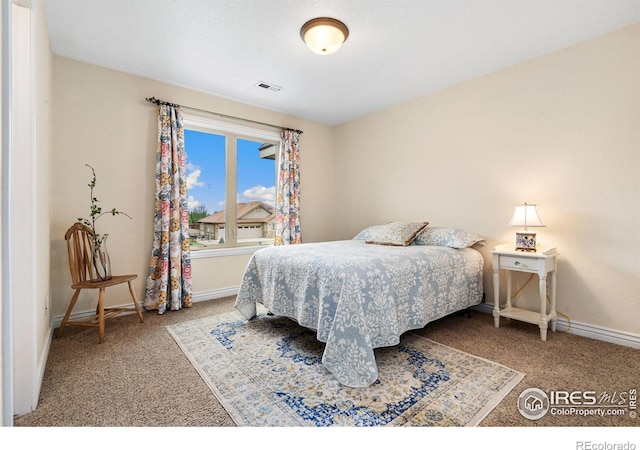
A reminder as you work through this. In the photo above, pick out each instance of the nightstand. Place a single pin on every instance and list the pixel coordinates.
(542, 262)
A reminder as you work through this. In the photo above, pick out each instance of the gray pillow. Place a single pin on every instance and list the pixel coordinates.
(447, 237)
(394, 233)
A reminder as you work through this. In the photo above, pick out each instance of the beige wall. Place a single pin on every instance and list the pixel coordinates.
(101, 118)
(561, 131)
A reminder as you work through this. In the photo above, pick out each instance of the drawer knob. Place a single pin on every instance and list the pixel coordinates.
(517, 263)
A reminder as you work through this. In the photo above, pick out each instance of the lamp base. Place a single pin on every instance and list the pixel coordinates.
(526, 241)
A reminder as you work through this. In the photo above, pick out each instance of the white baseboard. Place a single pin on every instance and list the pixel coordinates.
(81, 315)
(585, 330)
(196, 297)
(577, 328)
(214, 293)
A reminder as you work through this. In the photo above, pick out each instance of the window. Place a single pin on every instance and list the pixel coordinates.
(231, 179)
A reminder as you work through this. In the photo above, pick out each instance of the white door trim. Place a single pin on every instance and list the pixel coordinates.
(20, 350)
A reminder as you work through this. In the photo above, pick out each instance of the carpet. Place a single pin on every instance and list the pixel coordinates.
(268, 372)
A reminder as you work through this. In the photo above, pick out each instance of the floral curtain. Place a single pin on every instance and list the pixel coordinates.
(169, 280)
(288, 190)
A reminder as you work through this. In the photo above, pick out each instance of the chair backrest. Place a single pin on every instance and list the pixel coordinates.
(79, 244)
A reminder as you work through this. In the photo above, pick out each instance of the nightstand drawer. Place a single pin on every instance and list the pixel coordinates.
(514, 262)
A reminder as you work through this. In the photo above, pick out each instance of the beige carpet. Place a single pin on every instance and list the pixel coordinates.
(139, 377)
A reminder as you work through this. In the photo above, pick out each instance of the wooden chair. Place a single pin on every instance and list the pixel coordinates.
(83, 276)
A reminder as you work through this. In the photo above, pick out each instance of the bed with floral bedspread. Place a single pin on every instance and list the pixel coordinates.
(358, 296)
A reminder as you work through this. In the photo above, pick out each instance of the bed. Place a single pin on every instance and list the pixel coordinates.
(364, 293)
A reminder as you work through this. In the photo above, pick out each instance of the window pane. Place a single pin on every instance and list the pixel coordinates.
(212, 179)
(206, 181)
(256, 172)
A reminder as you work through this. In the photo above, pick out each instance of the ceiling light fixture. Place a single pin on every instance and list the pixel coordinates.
(324, 35)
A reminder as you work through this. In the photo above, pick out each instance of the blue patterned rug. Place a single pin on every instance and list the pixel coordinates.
(268, 372)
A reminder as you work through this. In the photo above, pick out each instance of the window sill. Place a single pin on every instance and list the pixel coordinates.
(221, 252)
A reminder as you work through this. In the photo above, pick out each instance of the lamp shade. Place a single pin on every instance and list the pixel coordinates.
(324, 35)
(525, 215)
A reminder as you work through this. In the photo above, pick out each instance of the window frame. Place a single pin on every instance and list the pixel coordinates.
(232, 133)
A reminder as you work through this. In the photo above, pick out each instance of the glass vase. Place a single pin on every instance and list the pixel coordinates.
(100, 259)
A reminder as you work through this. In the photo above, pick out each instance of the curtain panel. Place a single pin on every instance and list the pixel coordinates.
(288, 190)
(169, 278)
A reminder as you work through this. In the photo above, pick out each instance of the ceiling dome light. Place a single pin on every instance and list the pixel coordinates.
(324, 35)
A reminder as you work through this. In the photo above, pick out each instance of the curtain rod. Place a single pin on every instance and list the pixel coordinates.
(162, 102)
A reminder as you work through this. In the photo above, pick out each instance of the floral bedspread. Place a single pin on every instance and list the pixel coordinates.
(358, 296)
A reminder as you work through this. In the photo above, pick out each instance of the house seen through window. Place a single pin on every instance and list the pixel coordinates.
(231, 178)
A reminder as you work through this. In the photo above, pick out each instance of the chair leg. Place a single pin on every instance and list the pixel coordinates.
(101, 315)
(135, 302)
(74, 299)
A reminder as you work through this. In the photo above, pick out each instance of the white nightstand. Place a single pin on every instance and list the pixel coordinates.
(542, 262)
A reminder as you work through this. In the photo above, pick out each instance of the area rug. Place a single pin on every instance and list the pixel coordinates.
(268, 372)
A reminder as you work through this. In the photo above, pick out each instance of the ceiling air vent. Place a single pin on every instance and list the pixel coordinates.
(269, 87)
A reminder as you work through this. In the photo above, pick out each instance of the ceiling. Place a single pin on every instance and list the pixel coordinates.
(397, 50)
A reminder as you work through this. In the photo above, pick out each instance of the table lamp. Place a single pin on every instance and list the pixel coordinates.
(525, 216)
